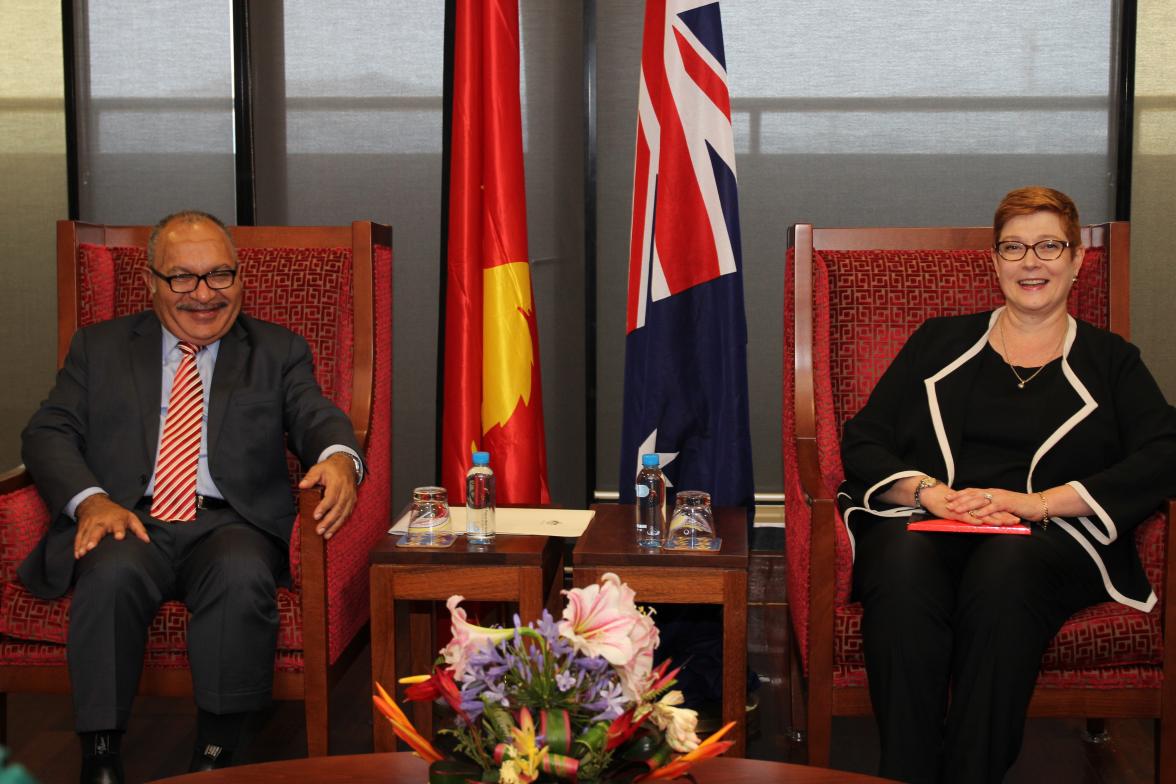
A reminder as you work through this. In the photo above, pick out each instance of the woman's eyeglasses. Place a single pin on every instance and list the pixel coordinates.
(1046, 250)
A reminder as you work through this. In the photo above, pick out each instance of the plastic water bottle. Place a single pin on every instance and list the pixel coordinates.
(480, 526)
(651, 503)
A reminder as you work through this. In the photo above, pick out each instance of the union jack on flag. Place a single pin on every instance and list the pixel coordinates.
(686, 342)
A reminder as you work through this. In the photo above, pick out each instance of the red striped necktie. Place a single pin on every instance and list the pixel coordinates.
(179, 452)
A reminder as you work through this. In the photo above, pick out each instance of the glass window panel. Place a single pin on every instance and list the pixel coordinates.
(34, 196)
(1153, 232)
(155, 109)
(348, 127)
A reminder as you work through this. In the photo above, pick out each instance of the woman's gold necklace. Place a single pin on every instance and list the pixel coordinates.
(1021, 382)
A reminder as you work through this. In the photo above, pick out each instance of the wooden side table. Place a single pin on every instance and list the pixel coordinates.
(671, 577)
(523, 569)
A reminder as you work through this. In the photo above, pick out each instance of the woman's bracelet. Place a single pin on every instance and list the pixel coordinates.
(1044, 511)
(924, 483)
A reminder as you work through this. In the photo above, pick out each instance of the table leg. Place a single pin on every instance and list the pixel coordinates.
(530, 593)
(735, 658)
(383, 644)
(554, 582)
(583, 576)
(422, 635)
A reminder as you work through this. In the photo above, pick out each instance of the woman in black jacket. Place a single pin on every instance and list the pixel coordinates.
(1021, 414)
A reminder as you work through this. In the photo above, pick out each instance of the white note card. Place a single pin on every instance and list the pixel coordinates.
(519, 521)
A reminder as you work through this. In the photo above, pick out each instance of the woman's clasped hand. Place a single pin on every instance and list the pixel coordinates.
(991, 506)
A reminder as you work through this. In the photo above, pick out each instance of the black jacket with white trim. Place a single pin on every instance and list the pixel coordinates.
(1117, 448)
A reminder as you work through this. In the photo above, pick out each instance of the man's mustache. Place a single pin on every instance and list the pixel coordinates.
(202, 307)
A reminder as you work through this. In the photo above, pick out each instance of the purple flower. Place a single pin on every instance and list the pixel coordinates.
(591, 663)
(613, 697)
(565, 680)
(548, 627)
(496, 692)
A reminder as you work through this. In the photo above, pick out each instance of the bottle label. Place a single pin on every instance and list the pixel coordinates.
(642, 491)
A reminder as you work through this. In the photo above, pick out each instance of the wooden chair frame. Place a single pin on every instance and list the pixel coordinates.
(820, 700)
(313, 683)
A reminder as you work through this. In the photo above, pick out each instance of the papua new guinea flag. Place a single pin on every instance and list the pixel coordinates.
(492, 396)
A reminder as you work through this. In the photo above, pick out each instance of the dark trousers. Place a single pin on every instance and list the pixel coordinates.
(954, 628)
(223, 569)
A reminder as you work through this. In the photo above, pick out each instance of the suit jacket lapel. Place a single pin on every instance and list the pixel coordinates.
(1084, 410)
(954, 395)
(947, 398)
(231, 359)
(146, 371)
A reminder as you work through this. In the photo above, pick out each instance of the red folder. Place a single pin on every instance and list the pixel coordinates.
(920, 522)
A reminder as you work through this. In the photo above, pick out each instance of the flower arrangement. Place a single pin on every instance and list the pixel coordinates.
(575, 701)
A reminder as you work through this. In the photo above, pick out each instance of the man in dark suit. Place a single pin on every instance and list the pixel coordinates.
(100, 447)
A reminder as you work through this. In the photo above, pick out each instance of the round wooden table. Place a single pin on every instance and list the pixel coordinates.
(405, 768)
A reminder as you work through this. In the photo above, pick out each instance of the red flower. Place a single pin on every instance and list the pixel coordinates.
(439, 685)
(622, 728)
(402, 727)
(711, 747)
(425, 691)
(662, 680)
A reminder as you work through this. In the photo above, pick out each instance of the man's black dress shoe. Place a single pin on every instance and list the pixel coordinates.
(101, 762)
(106, 769)
(210, 757)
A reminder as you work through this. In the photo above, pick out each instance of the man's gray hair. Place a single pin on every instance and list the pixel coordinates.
(187, 216)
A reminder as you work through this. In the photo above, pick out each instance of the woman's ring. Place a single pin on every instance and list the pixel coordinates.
(988, 497)
(972, 512)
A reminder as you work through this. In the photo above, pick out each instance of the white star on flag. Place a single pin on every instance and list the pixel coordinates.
(663, 458)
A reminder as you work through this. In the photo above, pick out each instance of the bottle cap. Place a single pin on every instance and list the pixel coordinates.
(650, 461)
(481, 458)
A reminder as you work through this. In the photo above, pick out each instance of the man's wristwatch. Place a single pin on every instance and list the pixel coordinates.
(924, 483)
(358, 466)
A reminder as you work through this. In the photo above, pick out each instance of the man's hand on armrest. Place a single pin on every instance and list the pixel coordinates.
(338, 478)
(98, 516)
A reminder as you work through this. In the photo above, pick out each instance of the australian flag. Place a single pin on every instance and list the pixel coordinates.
(686, 343)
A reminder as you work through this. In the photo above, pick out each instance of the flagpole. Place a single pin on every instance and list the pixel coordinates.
(443, 273)
(590, 396)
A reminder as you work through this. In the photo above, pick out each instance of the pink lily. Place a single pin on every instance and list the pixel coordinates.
(602, 620)
(467, 638)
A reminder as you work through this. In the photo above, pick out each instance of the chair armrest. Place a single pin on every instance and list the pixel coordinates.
(334, 584)
(1164, 734)
(1169, 509)
(312, 547)
(313, 552)
(809, 470)
(804, 361)
(25, 519)
(15, 479)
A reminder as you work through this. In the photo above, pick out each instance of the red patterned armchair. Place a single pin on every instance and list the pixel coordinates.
(853, 298)
(332, 285)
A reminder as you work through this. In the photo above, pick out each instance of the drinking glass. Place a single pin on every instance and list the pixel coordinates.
(692, 526)
(428, 519)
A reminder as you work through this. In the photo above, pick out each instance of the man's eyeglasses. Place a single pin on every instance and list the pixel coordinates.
(186, 283)
(1046, 250)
